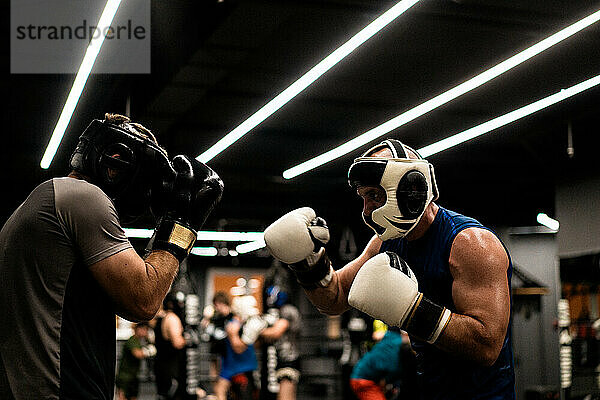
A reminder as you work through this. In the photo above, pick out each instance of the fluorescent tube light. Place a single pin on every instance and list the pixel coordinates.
(202, 235)
(250, 246)
(110, 9)
(507, 118)
(204, 251)
(306, 80)
(229, 236)
(138, 233)
(441, 99)
(545, 220)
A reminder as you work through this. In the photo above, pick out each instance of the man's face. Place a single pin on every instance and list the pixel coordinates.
(222, 308)
(141, 331)
(373, 198)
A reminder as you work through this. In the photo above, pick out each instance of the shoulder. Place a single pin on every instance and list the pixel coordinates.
(456, 222)
(79, 195)
(477, 247)
(171, 318)
(77, 187)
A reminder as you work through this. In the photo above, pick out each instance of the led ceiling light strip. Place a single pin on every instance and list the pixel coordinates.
(250, 246)
(202, 235)
(204, 251)
(306, 80)
(548, 222)
(507, 118)
(110, 9)
(441, 99)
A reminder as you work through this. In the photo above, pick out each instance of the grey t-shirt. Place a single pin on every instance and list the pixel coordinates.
(57, 325)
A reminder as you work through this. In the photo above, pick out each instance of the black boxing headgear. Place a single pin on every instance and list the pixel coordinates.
(124, 164)
(409, 185)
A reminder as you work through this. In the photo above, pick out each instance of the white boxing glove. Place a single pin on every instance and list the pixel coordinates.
(149, 350)
(252, 328)
(387, 289)
(244, 307)
(297, 239)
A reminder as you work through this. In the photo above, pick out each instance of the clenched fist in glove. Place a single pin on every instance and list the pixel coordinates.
(297, 239)
(182, 202)
(252, 328)
(387, 289)
(149, 350)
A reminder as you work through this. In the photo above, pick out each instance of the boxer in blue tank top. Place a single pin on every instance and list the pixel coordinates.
(428, 258)
(440, 276)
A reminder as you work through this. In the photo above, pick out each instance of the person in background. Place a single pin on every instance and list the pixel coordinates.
(170, 360)
(213, 328)
(135, 349)
(239, 362)
(282, 336)
(380, 365)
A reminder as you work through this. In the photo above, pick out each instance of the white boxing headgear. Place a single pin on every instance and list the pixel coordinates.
(409, 185)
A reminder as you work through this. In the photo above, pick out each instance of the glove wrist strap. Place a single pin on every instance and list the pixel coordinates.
(175, 237)
(313, 276)
(427, 320)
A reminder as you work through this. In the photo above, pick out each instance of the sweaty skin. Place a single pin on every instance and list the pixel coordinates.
(480, 290)
(137, 286)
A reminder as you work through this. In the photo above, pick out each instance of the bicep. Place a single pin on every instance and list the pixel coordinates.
(117, 273)
(479, 263)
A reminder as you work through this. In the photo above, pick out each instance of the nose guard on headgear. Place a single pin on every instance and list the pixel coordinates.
(409, 185)
(124, 165)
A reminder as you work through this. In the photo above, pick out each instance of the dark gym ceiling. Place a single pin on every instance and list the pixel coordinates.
(214, 63)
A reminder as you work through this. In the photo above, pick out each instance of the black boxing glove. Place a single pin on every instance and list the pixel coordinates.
(182, 203)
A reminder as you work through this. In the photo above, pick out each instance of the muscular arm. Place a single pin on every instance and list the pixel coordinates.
(476, 330)
(333, 299)
(136, 286)
(277, 330)
(138, 353)
(233, 335)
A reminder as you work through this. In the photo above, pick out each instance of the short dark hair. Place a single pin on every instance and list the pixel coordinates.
(124, 122)
(221, 297)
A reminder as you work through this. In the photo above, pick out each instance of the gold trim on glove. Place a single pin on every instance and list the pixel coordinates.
(182, 237)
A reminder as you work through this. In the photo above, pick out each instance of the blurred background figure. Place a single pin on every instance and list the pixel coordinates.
(280, 351)
(383, 372)
(169, 364)
(213, 323)
(238, 360)
(135, 349)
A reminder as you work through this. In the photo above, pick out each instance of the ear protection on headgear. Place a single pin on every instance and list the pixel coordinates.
(123, 164)
(275, 296)
(409, 185)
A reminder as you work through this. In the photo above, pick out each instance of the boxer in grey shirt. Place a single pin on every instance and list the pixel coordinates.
(66, 266)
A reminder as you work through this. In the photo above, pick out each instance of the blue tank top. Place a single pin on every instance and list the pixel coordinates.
(234, 363)
(442, 375)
